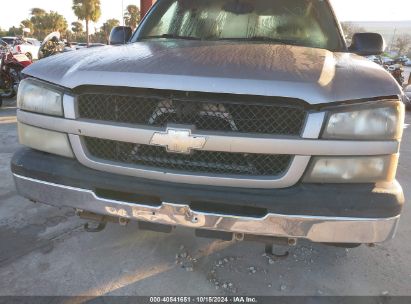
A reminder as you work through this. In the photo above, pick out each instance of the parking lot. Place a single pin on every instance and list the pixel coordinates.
(45, 251)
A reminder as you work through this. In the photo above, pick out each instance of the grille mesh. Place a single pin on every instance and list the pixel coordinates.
(242, 117)
(199, 161)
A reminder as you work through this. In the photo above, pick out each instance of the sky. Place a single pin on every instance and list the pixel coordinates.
(347, 10)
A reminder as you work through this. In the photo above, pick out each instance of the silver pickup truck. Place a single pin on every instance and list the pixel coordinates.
(235, 118)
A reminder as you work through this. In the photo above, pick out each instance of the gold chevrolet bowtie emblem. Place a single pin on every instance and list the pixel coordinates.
(178, 140)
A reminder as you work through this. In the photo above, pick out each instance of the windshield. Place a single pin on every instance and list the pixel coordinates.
(9, 41)
(298, 22)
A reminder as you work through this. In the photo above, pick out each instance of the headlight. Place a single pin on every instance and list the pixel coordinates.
(35, 96)
(45, 140)
(384, 122)
(363, 169)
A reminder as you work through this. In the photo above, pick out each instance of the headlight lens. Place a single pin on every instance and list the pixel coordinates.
(381, 123)
(362, 169)
(37, 97)
(45, 140)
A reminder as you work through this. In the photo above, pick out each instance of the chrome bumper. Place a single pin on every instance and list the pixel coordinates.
(317, 229)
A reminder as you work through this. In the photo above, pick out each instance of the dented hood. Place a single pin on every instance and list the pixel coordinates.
(314, 75)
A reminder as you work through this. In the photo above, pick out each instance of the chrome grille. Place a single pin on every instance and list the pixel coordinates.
(216, 163)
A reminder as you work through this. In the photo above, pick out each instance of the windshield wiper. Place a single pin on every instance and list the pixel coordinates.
(265, 39)
(250, 39)
(170, 36)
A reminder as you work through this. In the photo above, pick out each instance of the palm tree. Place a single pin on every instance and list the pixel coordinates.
(88, 10)
(132, 16)
(55, 22)
(27, 24)
(37, 16)
(35, 11)
(44, 23)
(108, 26)
(76, 28)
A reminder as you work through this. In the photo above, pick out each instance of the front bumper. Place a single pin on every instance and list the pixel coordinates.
(317, 229)
(311, 212)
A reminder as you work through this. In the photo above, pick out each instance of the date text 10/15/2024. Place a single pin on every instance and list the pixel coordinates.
(222, 299)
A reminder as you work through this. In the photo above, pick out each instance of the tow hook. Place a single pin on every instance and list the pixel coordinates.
(270, 249)
(123, 221)
(100, 227)
(275, 247)
(97, 223)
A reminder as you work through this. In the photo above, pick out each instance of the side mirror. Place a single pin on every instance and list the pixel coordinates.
(120, 35)
(366, 44)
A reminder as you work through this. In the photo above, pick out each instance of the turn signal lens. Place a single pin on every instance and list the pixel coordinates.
(362, 169)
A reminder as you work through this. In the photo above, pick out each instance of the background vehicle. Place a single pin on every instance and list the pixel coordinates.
(28, 46)
(81, 45)
(51, 45)
(11, 65)
(3, 48)
(93, 45)
(401, 60)
(376, 59)
(396, 71)
(9, 40)
(388, 61)
(407, 92)
(398, 74)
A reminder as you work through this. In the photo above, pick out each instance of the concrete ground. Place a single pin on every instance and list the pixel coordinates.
(45, 251)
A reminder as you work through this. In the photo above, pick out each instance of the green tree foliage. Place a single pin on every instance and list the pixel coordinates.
(44, 23)
(350, 29)
(55, 22)
(37, 11)
(107, 27)
(14, 31)
(132, 16)
(78, 32)
(27, 24)
(403, 44)
(87, 10)
(77, 27)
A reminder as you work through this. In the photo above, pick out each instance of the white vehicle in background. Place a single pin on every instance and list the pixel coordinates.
(407, 92)
(402, 59)
(81, 45)
(28, 46)
(388, 61)
(375, 59)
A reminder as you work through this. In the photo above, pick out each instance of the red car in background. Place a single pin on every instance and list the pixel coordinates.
(11, 65)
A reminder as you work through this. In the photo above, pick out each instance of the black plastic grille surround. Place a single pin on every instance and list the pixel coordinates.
(242, 114)
(216, 163)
